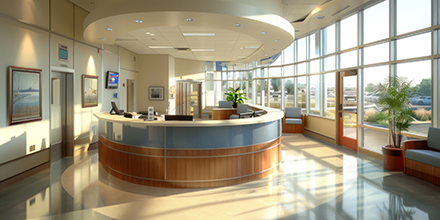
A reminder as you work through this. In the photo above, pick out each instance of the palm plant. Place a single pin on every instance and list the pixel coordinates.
(235, 96)
(394, 93)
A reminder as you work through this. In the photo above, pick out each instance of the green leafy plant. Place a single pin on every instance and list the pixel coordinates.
(235, 96)
(394, 93)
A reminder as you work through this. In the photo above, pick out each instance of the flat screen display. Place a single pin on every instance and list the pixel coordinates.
(63, 54)
(112, 80)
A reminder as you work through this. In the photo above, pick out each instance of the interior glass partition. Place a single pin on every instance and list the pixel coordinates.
(189, 98)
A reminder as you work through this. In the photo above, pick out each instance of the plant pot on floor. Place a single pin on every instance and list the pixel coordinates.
(392, 158)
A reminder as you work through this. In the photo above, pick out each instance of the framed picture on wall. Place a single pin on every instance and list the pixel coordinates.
(24, 95)
(156, 93)
(89, 88)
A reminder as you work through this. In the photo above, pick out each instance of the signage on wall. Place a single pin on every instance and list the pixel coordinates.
(63, 53)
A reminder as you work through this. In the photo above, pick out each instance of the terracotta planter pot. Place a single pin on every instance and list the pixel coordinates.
(392, 158)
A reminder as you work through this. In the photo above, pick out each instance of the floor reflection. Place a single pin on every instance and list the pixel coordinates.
(314, 181)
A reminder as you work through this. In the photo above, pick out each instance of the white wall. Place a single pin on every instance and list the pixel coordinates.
(23, 46)
(189, 69)
(87, 62)
(154, 71)
(129, 69)
(110, 62)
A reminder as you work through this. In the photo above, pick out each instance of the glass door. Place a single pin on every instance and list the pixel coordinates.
(347, 110)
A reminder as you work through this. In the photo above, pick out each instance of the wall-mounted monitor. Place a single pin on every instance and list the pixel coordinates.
(63, 53)
(112, 80)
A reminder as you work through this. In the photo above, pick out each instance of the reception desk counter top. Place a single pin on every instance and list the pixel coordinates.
(203, 153)
(271, 115)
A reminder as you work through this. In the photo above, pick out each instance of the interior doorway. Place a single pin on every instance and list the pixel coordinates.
(130, 95)
(347, 99)
(61, 115)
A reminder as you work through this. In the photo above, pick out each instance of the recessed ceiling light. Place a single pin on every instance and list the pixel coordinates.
(276, 40)
(138, 21)
(147, 32)
(109, 29)
(101, 38)
(200, 50)
(251, 47)
(161, 47)
(151, 34)
(198, 34)
(237, 25)
(205, 57)
(241, 48)
(320, 17)
(189, 19)
(264, 32)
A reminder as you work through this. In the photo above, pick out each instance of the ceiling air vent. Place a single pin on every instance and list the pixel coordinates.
(182, 49)
(326, 2)
(341, 10)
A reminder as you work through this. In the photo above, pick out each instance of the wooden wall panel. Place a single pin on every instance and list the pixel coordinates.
(223, 113)
(140, 166)
(188, 184)
(215, 152)
(266, 159)
(184, 165)
(258, 147)
(131, 149)
(208, 168)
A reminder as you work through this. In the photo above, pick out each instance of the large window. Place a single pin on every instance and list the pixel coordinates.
(302, 93)
(329, 39)
(302, 68)
(377, 53)
(288, 55)
(329, 63)
(372, 110)
(303, 75)
(329, 94)
(420, 75)
(376, 22)
(414, 46)
(302, 46)
(288, 70)
(289, 88)
(314, 45)
(413, 15)
(348, 32)
(275, 93)
(349, 59)
(315, 94)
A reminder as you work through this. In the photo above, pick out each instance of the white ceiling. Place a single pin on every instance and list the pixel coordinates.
(229, 43)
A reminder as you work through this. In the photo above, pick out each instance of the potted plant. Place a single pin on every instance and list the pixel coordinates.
(235, 96)
(394, 94)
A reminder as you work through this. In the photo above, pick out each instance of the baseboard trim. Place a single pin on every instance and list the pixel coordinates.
(370, 153)
(23, 175)
(319, 136)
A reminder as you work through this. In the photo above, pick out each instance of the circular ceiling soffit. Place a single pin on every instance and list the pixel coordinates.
(219, 14)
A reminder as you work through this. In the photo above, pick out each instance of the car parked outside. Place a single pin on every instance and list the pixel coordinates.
(412, 99)
(367, 96)
(423, 100)
(375, 98)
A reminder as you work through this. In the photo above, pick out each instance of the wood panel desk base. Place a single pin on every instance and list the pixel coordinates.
(223, 113)
(189, 168)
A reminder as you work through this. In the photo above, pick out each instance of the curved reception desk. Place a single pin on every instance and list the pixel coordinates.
(190, 154)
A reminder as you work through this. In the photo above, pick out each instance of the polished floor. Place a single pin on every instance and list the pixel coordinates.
(314, 181)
